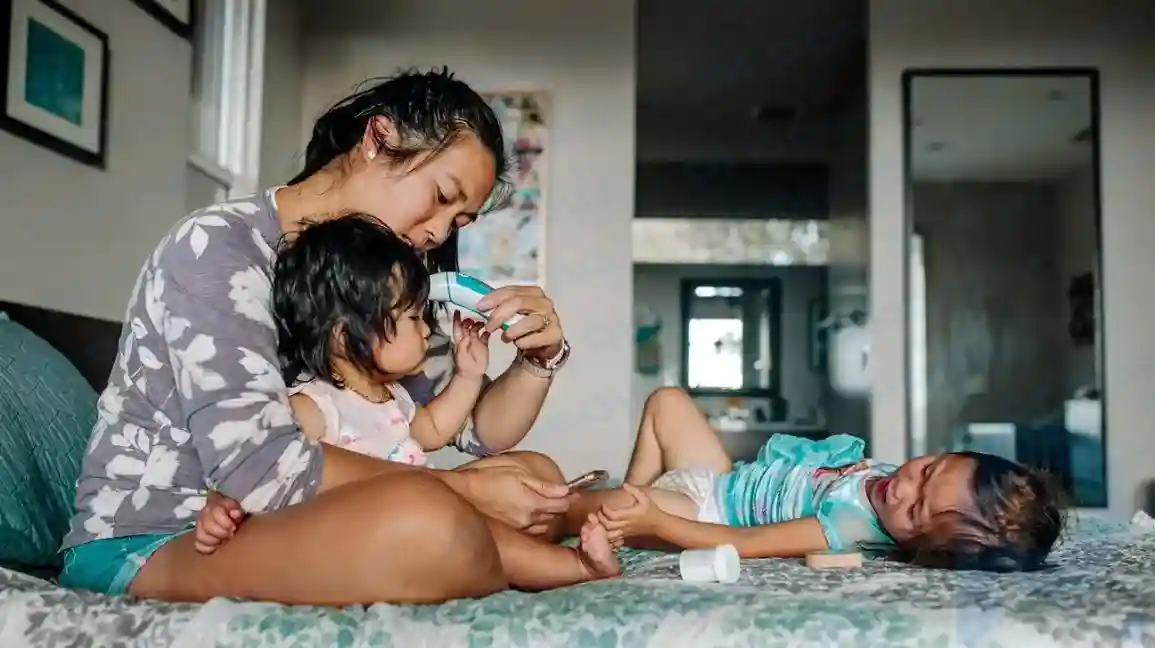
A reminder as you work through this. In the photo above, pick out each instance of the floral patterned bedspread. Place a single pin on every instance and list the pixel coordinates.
(1100, 593)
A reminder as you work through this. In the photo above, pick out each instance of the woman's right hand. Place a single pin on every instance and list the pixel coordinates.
(513, 496)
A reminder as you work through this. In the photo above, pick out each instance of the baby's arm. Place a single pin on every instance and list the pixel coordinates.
(436, 424)
(309, 417)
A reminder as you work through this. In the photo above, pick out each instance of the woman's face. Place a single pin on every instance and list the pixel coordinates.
(430, 199)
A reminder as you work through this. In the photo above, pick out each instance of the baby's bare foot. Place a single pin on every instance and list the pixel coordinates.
(595, 551)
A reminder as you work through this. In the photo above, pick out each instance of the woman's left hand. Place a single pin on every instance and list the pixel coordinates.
(539, 332)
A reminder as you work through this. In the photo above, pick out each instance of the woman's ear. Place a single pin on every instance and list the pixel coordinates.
(378, 131)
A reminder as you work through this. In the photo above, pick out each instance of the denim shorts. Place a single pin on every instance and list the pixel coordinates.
(109, 566)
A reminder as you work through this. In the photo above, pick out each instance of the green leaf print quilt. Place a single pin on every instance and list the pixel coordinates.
(1101, 592)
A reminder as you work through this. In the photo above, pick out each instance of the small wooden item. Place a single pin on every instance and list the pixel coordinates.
(834, 559)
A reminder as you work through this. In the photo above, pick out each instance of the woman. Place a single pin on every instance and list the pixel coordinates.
(196, 408)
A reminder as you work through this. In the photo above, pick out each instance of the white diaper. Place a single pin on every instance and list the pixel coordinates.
(698, 485)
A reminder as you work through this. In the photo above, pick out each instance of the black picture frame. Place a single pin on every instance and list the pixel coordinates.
(165, 17)
(35, 134)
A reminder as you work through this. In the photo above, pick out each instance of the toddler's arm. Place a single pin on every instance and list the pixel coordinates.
(436, 424)
(643, 518)
(783, 540)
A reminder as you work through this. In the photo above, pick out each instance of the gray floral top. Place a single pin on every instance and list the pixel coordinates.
(195, 401)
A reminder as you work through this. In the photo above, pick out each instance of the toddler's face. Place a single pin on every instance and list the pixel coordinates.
(920, 489)
(405, 351)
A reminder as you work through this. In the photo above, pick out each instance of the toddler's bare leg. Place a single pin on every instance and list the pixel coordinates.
(589, 502)
(673, 433)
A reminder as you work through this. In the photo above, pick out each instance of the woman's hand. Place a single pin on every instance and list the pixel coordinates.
(539, 333)
(511, 495)
(641, 518)
(470, 347)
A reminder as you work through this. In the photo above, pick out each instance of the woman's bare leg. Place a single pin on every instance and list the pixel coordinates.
(673, 433)
(399, 539)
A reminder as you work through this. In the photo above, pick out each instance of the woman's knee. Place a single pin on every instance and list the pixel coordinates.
(538, 465)
(420, 513)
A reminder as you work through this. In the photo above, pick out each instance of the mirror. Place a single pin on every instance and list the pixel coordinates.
(1004, 291)
(732, 336)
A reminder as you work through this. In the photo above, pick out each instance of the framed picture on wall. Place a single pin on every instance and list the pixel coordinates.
(177, 15)
(55, 90)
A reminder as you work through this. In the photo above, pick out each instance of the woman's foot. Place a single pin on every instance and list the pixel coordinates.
(595, 552)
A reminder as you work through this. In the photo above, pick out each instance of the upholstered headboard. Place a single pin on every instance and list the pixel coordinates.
(89, 343)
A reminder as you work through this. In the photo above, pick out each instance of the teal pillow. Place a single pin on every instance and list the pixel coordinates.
(47, 410)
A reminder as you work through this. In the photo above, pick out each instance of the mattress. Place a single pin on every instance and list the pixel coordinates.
(1101, 591)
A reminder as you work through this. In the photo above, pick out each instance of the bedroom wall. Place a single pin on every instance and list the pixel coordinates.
(583, 53)
(1118, 38)
(72, 237)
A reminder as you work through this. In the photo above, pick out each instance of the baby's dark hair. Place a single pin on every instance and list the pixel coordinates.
(336, 287)
(1013, 522)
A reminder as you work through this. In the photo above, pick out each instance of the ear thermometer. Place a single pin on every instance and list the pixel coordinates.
(464, 291)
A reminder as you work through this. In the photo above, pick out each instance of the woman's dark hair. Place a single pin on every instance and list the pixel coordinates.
(1014, 521)
(336, 287)
(429, 112)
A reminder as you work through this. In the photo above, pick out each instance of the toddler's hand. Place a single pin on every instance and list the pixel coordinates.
(470, 347)
(217, 522)
(641, 518)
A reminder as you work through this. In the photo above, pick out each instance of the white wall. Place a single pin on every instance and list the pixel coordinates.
(74, 236)
(282, 144)
(1117, 37)
(583, 53)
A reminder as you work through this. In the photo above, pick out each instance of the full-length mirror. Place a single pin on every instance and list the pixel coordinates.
(1005, 326)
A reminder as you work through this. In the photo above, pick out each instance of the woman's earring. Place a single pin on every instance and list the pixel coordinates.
(372, 154)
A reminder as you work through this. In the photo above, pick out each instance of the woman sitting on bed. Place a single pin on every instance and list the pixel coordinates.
(956, 510)
(196, 407)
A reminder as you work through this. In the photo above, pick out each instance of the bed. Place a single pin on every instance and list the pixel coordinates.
(1099, 592)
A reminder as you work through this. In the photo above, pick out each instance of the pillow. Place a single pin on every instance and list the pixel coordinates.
(47, 411)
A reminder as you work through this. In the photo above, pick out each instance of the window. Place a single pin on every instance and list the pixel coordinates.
(228, 83)
(732, 335)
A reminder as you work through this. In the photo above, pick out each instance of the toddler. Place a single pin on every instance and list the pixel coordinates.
(350, 303)
(957, 510)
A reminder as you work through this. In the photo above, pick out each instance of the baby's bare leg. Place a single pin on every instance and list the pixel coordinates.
(672, 434)
(533, 564)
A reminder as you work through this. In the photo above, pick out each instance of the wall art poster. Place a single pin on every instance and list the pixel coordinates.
(504, 246)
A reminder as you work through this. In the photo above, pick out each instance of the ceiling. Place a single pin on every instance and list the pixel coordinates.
(705, 68)
(999, 127)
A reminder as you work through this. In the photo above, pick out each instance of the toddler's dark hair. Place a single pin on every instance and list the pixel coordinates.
(1014, 521)
(336, 286)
